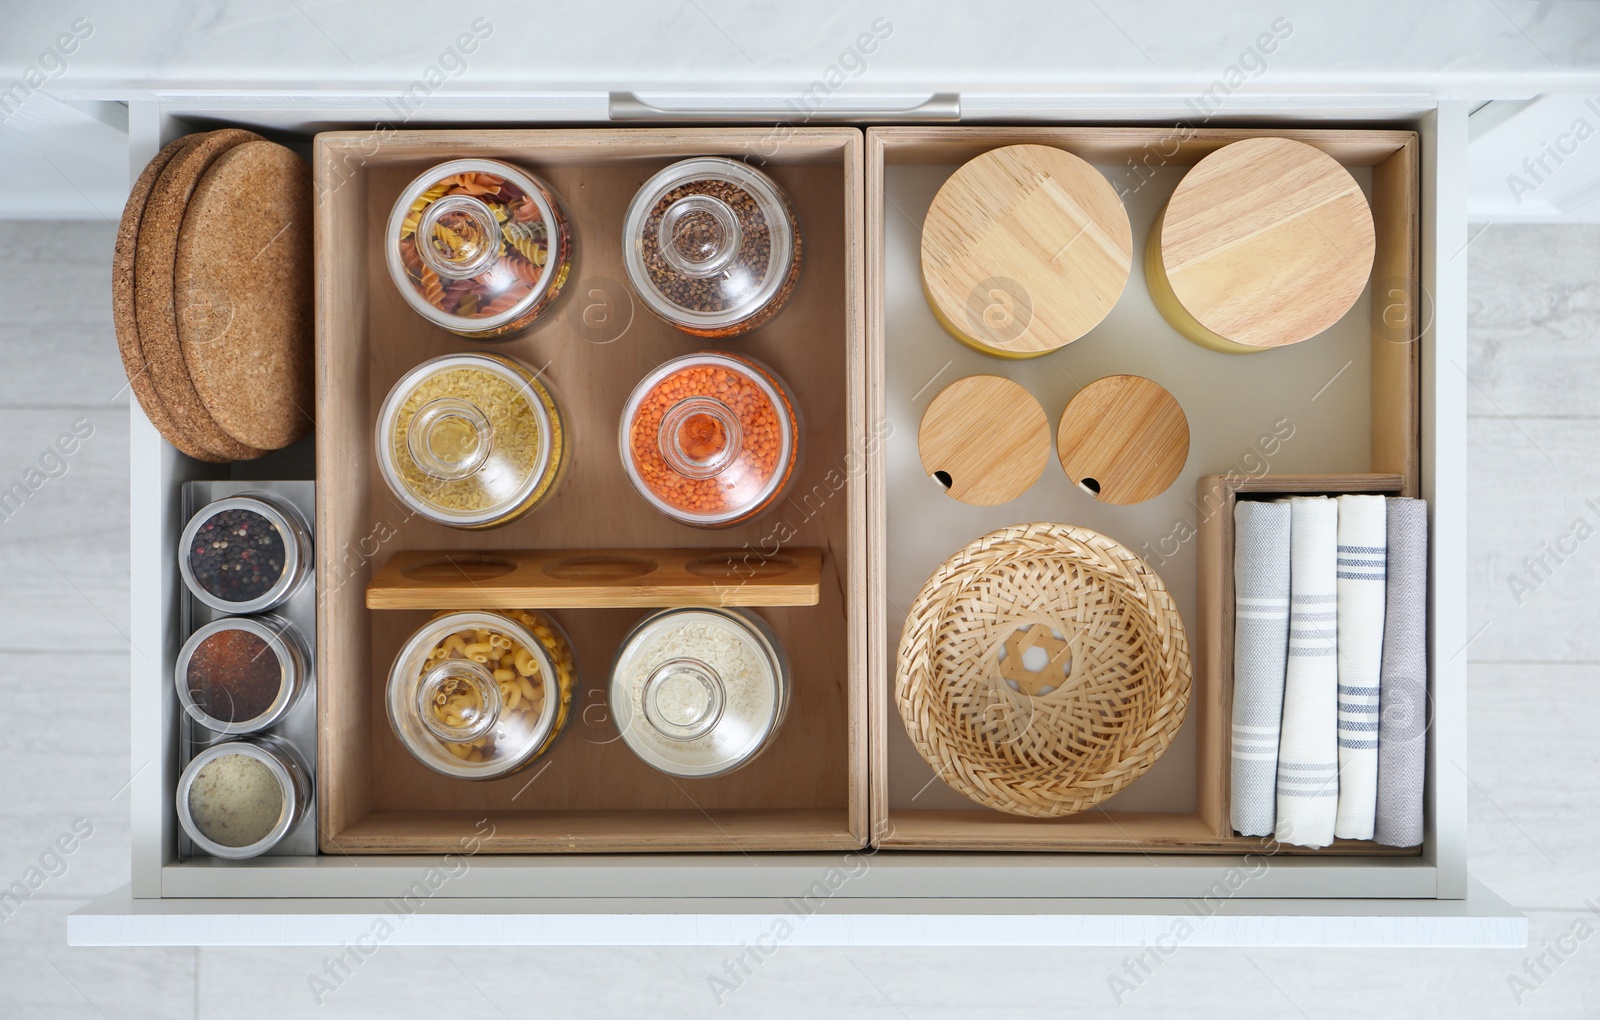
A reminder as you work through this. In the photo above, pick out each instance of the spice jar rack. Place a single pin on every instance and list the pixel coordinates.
(383, 567)
(298, 726)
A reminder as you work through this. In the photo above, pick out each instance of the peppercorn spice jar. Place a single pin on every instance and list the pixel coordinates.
(710, 439)
(479, 695)
(472, 440)
(241, 674)
(700, 692)
(478, 247)
(245, 554)
(711, 245)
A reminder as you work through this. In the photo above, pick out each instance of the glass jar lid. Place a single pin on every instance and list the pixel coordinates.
(709, 242)
(475, 695)
(698, 692)
(245, 553)
(709, 439)
(241, 674)
(468, 439)
(473, 244)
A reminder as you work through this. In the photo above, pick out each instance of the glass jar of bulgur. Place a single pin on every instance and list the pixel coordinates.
(472, 440)
(712, 246)
(481, 694)
(711, 439)
(479, 247)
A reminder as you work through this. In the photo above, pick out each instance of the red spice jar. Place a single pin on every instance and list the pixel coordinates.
(241, 674)
(711, 439)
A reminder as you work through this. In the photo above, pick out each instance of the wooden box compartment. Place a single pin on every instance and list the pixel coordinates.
(590, 794)
(1345, 401)
(1213, 627)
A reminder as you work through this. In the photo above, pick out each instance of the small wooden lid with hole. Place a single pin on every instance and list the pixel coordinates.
(1266, 242)
(1024, 250)
(1123, 439)
(985, 439)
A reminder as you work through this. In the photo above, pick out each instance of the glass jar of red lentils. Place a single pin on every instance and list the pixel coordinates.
(711, 439)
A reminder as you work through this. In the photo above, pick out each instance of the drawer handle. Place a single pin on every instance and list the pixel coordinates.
(941, 107)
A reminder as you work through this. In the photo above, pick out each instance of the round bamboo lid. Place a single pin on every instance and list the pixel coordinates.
(985, 439)
(1265, 242)
(1024, 250)
(1123, 439)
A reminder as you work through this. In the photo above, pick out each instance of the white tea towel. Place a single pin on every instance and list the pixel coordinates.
(1308, 750)
(1403, 694)
(1260, 648)
(1363, 523)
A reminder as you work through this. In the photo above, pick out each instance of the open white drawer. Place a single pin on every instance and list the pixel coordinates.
(890, 897)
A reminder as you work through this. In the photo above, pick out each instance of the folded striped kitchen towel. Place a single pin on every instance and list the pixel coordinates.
(1308, 749)
(1260, 647)
(1363, 557)
(1403, 687)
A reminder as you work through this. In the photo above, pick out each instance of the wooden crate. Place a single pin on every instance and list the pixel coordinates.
(590, 794)
(1201, 825)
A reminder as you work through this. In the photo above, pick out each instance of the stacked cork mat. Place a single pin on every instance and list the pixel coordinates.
(212, 295)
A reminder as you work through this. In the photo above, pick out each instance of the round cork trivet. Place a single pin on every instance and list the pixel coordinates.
(124, 318)
(155, 299)
(243, 282)
(1265, 242)
(1025, 249)
(1123, 439)
(985, 439)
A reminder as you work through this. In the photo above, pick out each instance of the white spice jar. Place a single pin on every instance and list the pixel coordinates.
(699, 692)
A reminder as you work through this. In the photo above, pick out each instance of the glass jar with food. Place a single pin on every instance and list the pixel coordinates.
(481, 694)
(711, 245)
(245, 554)
(479, 247)
(241, 674)
(711, 440)
(472, 440)
(700, 692)
(240, 798)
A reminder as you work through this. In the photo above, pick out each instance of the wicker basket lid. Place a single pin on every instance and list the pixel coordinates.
(1042, 669)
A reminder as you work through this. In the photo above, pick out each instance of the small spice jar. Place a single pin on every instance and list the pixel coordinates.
(712, 246)
(710, 439)
(479, 247)
(700, 692)
(240, 798)
(472, 440)
(242, 674)
(245, 554)
(480, 695)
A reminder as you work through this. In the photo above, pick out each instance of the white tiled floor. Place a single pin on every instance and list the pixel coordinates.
(1534, 715)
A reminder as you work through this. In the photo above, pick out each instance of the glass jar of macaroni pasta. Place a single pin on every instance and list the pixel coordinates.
(472, 440)
(481, 694)
(479, 247)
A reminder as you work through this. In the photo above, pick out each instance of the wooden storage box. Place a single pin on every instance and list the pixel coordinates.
(1348, 400)
(590, 794)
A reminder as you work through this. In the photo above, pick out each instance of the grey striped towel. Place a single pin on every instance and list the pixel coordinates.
(1308, 749)
(1260, 647)
(1363, 525)
(1403, 695)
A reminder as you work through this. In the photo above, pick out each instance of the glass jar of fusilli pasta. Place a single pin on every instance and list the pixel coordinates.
(480, 695)
(472, 440)
(479, 247)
